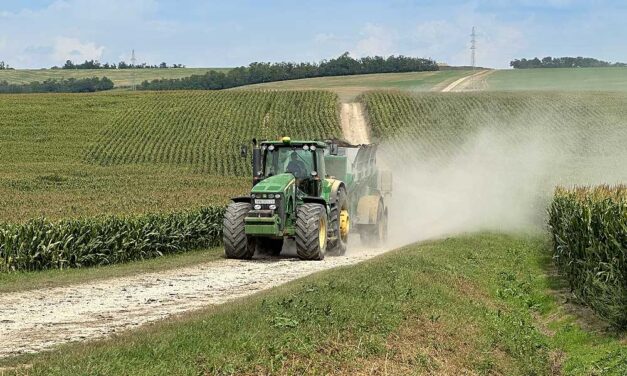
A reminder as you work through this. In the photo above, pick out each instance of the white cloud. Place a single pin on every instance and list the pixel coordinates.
(448, 40)
(75, 50)
(375, 40)
(323, 38)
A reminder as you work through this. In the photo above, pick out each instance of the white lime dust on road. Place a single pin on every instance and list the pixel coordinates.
(354, 124)
(36, 320)
(466, 82)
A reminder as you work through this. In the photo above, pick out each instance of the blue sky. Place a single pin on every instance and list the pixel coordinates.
(42, 33)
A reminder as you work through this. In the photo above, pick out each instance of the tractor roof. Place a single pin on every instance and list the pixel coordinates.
(286, 141)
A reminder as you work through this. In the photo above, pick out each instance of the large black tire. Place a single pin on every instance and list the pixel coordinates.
(237, 244)
(337, 246)
(311, 232)
(270, 246)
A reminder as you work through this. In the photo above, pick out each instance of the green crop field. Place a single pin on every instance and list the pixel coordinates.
(348, 87)
(120, 77)
(65, 155)
(204, 130)
(571, 79)
(577, 136)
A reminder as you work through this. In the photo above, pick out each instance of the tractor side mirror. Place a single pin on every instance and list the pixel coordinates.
(333, 149)
(243, 151)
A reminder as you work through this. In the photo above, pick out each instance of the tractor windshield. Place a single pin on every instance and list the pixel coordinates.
(290, 159)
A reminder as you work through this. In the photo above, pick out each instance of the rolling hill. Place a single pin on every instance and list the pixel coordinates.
(120, 77)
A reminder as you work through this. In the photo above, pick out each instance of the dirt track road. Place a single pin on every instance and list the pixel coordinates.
(32, 321)
(36, 320)
(466, 82)
(354, 125)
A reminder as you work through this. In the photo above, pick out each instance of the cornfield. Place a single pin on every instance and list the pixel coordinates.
(40, 244)
(440, 126)
(589, 230)
(204, 130)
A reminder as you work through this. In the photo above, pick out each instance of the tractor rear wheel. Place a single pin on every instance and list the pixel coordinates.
(270, 246)
(236, 243)
(340, 224)
(311, 232)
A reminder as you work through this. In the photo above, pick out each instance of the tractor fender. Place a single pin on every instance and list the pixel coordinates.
(367, 209)
(315, 200)
(335, 188)
(241, 199)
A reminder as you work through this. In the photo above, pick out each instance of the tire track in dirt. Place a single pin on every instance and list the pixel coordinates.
(463, 83)
(354, 125)
(36, 320)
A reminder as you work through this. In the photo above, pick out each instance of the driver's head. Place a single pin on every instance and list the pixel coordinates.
(294, 156)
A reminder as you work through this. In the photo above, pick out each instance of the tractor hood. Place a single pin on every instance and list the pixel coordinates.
(274, 184)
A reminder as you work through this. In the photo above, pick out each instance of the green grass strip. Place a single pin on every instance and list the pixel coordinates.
(476, 304)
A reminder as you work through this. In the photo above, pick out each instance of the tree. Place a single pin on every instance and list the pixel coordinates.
(69, 65)
(257, 72)
(562, 62)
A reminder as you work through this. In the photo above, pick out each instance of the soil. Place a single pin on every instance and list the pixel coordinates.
(473, 82)
(354, 124)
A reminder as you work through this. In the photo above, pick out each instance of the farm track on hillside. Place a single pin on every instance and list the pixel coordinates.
(354, 124)
(466, 82)
(32, 321)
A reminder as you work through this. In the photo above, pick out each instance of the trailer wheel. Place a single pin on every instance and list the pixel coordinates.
(270, 246)
(377, 234)
(236, 243)
(340, 224)
(311, 232)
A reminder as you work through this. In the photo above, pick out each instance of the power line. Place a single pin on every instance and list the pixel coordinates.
(133, 61)
(473, 58)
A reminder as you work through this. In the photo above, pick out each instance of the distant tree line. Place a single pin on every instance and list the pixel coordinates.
(71, 85)
(562, 62)
(95, 64)
(269, 72)
(4, 66)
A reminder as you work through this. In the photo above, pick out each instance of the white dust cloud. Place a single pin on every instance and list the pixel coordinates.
(497, 180)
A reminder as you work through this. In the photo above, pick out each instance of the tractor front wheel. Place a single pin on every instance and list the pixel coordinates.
(311, 232)
(237, 244)
(340, 224)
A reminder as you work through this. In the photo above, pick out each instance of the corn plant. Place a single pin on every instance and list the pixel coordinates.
(40, 244)
(589, 230)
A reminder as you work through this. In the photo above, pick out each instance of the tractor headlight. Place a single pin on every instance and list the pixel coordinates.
(272, 207)
(252, 196)
(257, 207)
(277, 196)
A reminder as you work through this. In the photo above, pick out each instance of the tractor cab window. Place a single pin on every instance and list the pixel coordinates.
(293, 160)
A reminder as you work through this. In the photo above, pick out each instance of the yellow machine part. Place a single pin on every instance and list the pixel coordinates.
(367, 209)
(344, 223)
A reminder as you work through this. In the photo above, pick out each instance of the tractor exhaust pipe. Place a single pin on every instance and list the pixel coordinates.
(257, 167)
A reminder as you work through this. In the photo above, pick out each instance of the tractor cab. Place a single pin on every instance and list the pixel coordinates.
(304, 160)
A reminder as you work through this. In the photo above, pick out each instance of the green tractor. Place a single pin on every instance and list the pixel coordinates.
(313, 192)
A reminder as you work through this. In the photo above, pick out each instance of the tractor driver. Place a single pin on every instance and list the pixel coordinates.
(296, 166)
